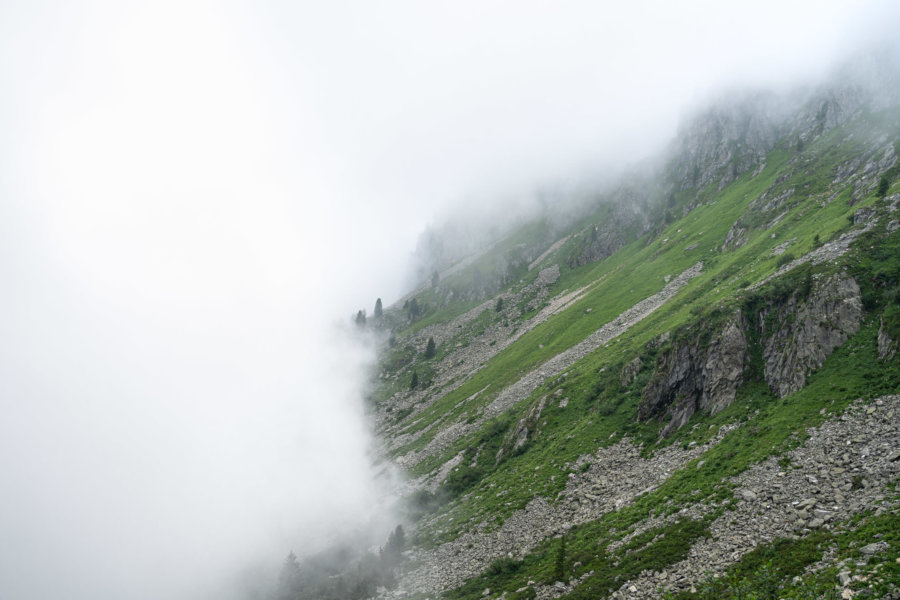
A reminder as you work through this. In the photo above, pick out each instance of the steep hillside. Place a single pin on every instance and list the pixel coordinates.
(691, 392)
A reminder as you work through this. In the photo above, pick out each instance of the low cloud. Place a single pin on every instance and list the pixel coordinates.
(194, 200)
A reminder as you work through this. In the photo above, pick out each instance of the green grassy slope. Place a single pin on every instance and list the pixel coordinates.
(601, 410)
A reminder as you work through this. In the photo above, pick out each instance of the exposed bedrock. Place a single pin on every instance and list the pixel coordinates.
(697, 376)
(796, 336)
(807, 332)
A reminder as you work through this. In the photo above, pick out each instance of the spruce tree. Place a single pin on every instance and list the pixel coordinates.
(430, 349)
(378, 310)
(414, 382)
(396, 542)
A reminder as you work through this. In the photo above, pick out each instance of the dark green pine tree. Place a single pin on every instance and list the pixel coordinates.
(396, 542)
(883, 186)
(378, 309)
(414, 382)
(430, 349)
(559, 570)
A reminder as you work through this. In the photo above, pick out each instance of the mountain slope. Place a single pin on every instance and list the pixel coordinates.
(639, 386)
(697, 375)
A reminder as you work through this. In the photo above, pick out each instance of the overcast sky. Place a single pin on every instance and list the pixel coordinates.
(193, 195)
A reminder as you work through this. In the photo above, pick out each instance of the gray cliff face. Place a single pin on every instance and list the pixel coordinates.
(830, 108)
(724, 366)
(736, 135)
(697, 376)
(625, 220)
(808, 332)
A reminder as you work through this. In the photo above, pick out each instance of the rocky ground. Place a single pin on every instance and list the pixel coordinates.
(616, 475)
(843, 468)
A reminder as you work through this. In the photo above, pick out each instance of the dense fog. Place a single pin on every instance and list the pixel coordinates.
(195, 197)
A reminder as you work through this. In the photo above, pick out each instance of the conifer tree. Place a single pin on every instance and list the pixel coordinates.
(396, 542)
(289, 578)
(883, 186)
(378, 309)
(559, 570)
(430, 349)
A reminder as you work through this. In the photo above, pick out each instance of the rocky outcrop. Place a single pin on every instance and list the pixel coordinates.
(724, 366)
(697, 376)
(726, 141)
(624, 221)
(887, 346)
(797, 336)
(736, 237)
(807, 331)
(827, 109)
(630, 371)
(598, 242)
(525, 430)
(548, 276)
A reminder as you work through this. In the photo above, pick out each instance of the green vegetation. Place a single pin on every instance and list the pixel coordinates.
(779, 569)
(342, 573)
(556, 560)
(794, 205)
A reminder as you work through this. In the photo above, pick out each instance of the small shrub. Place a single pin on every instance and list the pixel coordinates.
(503, 566)
(883, 185)
(784, 259)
